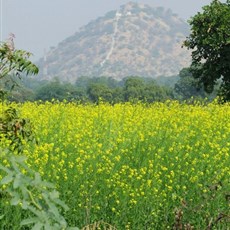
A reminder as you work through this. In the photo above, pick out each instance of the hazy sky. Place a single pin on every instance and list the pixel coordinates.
(40, 24)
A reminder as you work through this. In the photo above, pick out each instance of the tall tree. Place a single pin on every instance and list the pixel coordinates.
(133, 88)
(187, 86)
(210, 42)
(97, 91)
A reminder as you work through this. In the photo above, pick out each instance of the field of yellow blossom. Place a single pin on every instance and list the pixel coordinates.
(134, 166)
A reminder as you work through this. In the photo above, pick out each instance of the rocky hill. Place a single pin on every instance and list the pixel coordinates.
(134, 40)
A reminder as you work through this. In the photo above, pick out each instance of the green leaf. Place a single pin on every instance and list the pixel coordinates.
(54, 194)
(7, 179)
(53, 209)
(5, 169)
(47, 226)
(20, 159)
(24, 205)
(62, 204)
(38, 226)
(73, 228)
(1, 217)
(17, 181)
(29, 221)
(16, 200)
(37, 179)
(47, 184)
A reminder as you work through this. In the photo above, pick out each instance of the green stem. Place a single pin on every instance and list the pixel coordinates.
(33, 200)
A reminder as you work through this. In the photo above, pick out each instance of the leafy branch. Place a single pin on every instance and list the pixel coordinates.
(13, 62)
(26, 188)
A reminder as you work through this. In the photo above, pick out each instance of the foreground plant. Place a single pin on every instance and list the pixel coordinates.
(22, 185)
(26, 188)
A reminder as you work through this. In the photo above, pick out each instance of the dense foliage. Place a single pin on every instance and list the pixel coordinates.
(210, 42)
(187, 87)
(130, 89)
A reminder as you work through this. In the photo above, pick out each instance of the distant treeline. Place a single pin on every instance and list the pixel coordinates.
(133, 88)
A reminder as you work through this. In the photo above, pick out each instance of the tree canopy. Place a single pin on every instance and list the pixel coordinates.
(210, 42)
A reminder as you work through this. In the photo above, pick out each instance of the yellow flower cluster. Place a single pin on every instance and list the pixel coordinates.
(132, 165)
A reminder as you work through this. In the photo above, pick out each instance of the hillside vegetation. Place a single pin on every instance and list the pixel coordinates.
(135, 40)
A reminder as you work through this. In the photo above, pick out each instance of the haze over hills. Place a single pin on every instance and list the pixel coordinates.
(135, 40)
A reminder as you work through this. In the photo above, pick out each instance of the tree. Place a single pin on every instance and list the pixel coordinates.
(210, 42)
(13, 62)
(133, 88)
(97, 91)
(155, 92)
(187, 86)
(60, 91)
(118, 95)
(52, 90)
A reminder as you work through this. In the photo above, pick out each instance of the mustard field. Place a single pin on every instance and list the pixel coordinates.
(134, 166)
